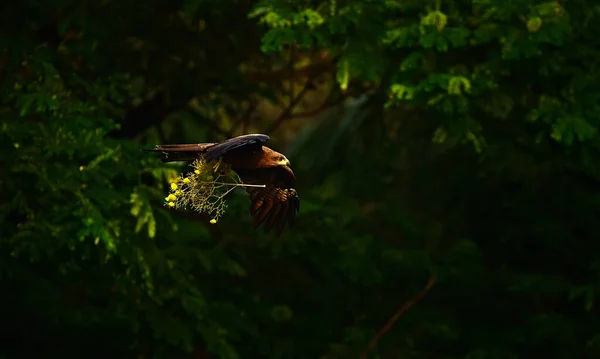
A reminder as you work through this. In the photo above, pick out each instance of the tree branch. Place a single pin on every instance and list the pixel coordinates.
(397, 315)
(288, 110)
(311, 71)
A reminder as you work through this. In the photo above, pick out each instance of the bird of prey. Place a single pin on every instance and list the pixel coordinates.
(277, 202)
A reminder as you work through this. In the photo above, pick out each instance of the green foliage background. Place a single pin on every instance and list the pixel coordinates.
(454, 140)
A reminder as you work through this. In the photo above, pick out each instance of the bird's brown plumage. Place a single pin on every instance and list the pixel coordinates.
(275, 204)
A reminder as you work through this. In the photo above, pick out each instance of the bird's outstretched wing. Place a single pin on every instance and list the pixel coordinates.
(275, 204)
(181, 152)
(245, 142)
(210, 151)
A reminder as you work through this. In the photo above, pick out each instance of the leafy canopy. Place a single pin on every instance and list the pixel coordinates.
(457, 141)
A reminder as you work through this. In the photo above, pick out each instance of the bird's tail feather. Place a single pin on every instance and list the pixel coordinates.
(181, 152)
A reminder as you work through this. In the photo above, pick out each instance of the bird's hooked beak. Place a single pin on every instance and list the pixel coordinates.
(283, 161)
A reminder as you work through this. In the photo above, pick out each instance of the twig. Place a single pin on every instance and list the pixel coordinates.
(397, 315)
(236, 185)
(240, 184)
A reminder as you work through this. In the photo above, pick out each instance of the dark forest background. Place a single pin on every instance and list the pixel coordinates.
(448, 148)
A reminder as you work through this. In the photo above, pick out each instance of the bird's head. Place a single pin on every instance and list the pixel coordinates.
(281, 160)
(273, 158)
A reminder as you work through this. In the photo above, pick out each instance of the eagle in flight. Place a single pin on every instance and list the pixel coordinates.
(277, 202)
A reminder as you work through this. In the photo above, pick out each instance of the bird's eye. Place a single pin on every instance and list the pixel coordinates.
(281, 158)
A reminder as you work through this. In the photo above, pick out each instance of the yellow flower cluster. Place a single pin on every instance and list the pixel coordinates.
(203, 189)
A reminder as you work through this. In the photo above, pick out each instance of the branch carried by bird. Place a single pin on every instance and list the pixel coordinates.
(264, 174)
